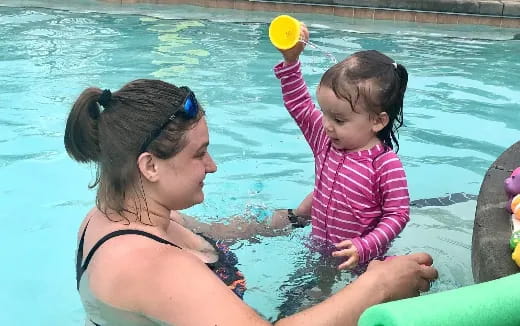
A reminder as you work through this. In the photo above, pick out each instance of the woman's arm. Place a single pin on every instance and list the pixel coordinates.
(182, 291)
(389, 280)
(234, 228)
(301, 215)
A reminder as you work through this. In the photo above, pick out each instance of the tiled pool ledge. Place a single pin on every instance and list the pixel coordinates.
(504, 14)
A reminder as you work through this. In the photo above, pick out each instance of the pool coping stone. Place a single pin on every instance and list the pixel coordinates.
(490, 252)
(503, 14)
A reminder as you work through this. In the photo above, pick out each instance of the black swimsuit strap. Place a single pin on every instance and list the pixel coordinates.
(79, 255)
(80, 269)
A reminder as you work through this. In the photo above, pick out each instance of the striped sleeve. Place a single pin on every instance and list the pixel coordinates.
(299, 103)
(395, 200)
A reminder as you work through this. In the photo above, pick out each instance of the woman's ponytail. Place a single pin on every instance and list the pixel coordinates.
(81, 133)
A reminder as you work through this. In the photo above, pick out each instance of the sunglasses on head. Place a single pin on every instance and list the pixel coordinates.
(189, 109)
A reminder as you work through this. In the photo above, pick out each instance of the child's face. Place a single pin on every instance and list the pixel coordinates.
(349, 130)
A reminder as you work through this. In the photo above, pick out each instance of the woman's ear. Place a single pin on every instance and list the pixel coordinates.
(147, 165)
(380, 121)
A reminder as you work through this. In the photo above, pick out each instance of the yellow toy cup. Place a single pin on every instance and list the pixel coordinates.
(284, 32)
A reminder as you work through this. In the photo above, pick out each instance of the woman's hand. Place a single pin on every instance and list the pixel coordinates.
(349, 250)
(393, 279)
(402, 276)
(292, 55)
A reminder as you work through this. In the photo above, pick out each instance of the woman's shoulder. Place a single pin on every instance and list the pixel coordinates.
(114, 247)
(132, 265)
(137, 247)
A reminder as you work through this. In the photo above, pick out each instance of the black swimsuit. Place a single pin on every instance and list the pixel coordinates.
(225, 267)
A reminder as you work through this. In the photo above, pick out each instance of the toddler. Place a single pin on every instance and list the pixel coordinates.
(360, 201)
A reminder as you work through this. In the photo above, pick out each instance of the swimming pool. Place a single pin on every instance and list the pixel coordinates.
(461, 112)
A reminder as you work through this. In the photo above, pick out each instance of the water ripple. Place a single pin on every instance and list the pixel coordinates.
(7, 159)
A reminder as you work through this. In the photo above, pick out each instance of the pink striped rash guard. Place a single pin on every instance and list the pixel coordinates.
(362, 196)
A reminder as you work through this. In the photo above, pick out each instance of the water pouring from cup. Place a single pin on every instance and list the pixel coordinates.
(284, 33)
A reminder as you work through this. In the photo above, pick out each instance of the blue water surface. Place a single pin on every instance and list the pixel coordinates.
(461, 112)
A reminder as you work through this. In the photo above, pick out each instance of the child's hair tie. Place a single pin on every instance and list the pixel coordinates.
(395, 64)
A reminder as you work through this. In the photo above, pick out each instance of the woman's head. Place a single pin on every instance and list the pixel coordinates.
(369, 88)
(144, 120)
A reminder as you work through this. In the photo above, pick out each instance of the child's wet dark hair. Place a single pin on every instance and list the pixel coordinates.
(375, 79)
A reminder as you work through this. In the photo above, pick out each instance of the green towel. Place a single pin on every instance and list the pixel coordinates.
(493, 303)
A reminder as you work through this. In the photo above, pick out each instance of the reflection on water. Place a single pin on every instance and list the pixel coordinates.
(173, 51)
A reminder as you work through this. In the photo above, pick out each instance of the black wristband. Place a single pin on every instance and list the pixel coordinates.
(294, 219)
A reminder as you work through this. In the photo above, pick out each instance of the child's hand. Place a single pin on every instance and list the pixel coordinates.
(348, 250)
(291, 55)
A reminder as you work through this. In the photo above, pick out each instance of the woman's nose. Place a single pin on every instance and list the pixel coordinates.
(211, 167)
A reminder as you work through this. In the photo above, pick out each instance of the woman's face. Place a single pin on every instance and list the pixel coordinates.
(182, 176)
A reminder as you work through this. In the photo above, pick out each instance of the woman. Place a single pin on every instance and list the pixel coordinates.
(136, 264)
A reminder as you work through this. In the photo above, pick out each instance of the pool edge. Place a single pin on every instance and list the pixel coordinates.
(503, 14)
(490, 252)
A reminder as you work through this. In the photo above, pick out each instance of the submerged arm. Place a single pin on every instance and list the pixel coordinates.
(234, 228)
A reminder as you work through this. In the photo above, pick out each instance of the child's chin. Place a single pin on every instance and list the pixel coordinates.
(337, 144)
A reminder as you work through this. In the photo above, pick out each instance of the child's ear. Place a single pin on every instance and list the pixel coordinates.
(380, 121)
(147, 165)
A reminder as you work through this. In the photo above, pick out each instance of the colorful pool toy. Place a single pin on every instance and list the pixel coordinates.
(515, 256)
(284, 32)
(515, 240)
(515, 206)
(512, 186)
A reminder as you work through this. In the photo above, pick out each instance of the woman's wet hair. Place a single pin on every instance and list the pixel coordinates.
(376, 80)
(109, 130)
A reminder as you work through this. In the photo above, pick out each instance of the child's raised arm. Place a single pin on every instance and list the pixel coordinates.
(296, 96)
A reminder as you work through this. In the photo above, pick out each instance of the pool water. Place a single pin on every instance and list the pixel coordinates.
(461, 112)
